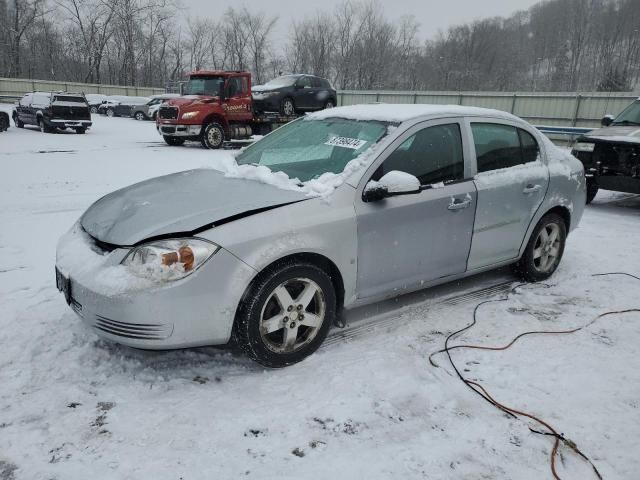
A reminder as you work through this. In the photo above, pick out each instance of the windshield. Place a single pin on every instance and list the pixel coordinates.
(629, 116)
(211, 86)
(286, 81)
(306, 149)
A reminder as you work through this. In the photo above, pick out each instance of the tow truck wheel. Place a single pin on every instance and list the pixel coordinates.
(592, 190)
(173, 141)
(287, 107)
(212, 136)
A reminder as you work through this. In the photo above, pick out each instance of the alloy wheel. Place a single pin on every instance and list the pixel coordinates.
(288, 107)
(546, 250)
(293, 315)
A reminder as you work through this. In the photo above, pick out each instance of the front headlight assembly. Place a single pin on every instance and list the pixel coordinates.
(584, 147)
(188, 115)
(168, 260)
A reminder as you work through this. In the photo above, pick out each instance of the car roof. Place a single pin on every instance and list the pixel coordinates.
(399, 113)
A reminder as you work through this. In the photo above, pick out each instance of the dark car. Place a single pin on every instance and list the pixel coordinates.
(120, 106)
(52, 111)
(290, 94)
(4, 121)
(611, 155)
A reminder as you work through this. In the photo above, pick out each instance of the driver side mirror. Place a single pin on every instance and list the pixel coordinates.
(393, 183)
(607, 120)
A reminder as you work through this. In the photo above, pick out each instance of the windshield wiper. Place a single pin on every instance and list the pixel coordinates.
(625, 122)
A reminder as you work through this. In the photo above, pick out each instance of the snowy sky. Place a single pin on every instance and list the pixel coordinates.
(433, 15)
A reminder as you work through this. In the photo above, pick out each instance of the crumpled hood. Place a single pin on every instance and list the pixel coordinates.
(632, 133)
(178, 203)
(190, 100)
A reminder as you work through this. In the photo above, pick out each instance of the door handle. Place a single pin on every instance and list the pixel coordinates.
(459, 205)
(530, 188)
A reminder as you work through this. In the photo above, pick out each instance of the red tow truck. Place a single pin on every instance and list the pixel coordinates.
(215, 108)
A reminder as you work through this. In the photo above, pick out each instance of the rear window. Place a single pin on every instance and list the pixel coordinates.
(69, 98)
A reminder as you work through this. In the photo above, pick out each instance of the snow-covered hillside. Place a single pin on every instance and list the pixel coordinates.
(367, 405)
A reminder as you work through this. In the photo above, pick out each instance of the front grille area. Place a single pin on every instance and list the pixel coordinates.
(168, 113)
(617, 158)
(138, 331)
(168, 129)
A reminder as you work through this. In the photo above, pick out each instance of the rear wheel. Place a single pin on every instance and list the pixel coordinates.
(81, 130)
(329, 104)
(286, 314)
(173, 141)
(287, 107)
(110, 112)
(18, 122)
(212, 136)
(544, 250)
(592, 189)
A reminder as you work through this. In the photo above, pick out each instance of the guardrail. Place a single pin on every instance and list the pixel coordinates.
(20, 86)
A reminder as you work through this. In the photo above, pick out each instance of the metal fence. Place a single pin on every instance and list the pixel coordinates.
(11, 88)
(545, 108)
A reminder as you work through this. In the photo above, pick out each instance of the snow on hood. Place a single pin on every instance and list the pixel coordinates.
(262, 88)
(630, 134)
(399, 113)
(177, 203)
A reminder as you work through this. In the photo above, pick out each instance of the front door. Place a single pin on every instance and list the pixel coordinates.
(406, 241)
(303, 93)
(511, 181)
(237, 104)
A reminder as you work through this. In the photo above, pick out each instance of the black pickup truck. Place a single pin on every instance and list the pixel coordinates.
(51, 111)
(4, 121)
(611, 154)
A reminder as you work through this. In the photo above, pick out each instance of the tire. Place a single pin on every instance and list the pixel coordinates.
(290, 340)
(329, 104)
(93, 109)
(81, 130)
(542, 255)
(173, 141)
(287, 107)
(154, 116)
(592, 189)
(212, 136)
(140, 116)
(4, 122)
(110, 112)
(18, 122)
(43, 126)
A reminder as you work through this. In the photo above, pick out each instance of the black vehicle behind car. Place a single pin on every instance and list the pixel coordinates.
(291, 94)
(611, 155)
(52, 111)
(4, 121)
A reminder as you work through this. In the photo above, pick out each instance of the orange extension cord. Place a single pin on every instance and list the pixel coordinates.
(480, 390)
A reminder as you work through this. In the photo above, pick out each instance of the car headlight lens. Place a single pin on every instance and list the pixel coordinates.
(188, 115)
(167, 260)
(584, 147)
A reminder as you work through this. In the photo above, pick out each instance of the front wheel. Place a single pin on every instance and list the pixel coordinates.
(544, 250)
(43, 126)
(81, 130)
(173, 141)
(329, 104)
(286, 314)
(94, 110)
(110, 112)
(140, 116)
(592, 189)
(212, 136)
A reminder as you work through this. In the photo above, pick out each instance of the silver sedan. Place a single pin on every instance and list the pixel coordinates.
(342, 208)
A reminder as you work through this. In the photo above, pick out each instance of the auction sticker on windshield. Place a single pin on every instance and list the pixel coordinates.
(346, 142)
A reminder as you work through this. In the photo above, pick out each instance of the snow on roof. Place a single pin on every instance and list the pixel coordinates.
(399, 113)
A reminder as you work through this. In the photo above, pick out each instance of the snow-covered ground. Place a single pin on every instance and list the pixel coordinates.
(367, 405)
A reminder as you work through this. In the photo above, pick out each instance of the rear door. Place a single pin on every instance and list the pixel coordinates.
(511, 180)
(406, 241)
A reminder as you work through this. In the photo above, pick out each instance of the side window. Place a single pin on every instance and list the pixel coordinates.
(245, 85)
(304, 82)
(497, 146)
(41, 99)
(315, 82)
(530, 148)
(433, 155)
(26, 100)
(234, 87)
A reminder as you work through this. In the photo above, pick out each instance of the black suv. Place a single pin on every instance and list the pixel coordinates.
(4, 121)
(291, 94)
(611, 155)
(52, 111)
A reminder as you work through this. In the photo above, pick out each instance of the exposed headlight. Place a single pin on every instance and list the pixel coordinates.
(188, 115)
(167, 260)
(265, 94)
(584, 147)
